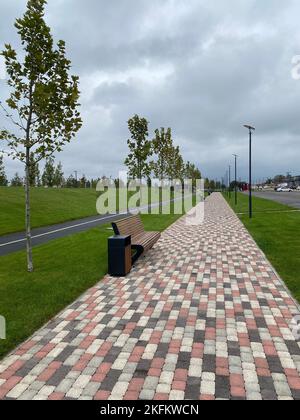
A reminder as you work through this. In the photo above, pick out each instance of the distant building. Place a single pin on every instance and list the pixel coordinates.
(294, 181)
(290, 181)
(297, 180)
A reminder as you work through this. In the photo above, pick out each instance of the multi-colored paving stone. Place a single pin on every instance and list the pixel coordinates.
(202, 316)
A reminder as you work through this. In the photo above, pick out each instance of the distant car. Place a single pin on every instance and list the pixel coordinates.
(298, 188)
(284, 189)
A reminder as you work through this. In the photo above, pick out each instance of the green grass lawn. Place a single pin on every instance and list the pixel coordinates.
(277, 234)
(48, 206)
(64, 269)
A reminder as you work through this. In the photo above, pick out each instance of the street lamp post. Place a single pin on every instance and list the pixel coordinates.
(229, 181)
(235, 176)
(250, 128)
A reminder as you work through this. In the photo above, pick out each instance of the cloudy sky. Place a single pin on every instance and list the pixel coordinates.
(203, 68)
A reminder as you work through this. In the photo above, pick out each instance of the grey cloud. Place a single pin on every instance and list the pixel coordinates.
(203, 68)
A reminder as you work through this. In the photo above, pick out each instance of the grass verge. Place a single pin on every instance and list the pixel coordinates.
(48, 206)
(277, 232)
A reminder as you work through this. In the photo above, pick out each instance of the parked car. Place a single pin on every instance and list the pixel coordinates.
(285, 189)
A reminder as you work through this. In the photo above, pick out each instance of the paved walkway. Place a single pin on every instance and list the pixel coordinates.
(202, 316)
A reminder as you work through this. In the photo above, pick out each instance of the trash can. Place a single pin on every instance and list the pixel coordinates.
(119, 256)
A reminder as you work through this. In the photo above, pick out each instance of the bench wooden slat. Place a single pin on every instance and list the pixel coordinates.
(131, 226)
(141, 240)
(147, 240)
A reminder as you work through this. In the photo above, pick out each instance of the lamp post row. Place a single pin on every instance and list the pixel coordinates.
(235, 177)
(251, 129)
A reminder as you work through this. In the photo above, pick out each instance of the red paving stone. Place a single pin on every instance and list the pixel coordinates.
(102, 395)
(56, 396)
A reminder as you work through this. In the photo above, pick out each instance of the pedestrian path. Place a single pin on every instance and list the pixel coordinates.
(203, 316)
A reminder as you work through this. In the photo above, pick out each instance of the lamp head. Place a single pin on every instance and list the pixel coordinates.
(249, 127)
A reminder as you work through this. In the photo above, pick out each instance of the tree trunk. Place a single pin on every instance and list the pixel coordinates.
(27, 214)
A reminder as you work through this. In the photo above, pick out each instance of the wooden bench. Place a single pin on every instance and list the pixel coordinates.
(141, 241)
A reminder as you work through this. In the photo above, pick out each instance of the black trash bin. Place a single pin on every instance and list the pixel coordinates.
(119, 256)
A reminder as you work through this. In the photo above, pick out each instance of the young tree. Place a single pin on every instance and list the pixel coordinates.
(58, 180)
(3, 178)
(162, 146)
(94, 183)
(139, 147)
(71, 182)
(219, 185)
(212, 185)
(82, 182)
(37, 175)
(48, 176)
(17, 181)
(43, 103)
(175, 165)
(193, 173)
(34, 171)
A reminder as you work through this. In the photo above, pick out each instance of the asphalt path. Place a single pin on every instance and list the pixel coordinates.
(17, 241)
(289, 198)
